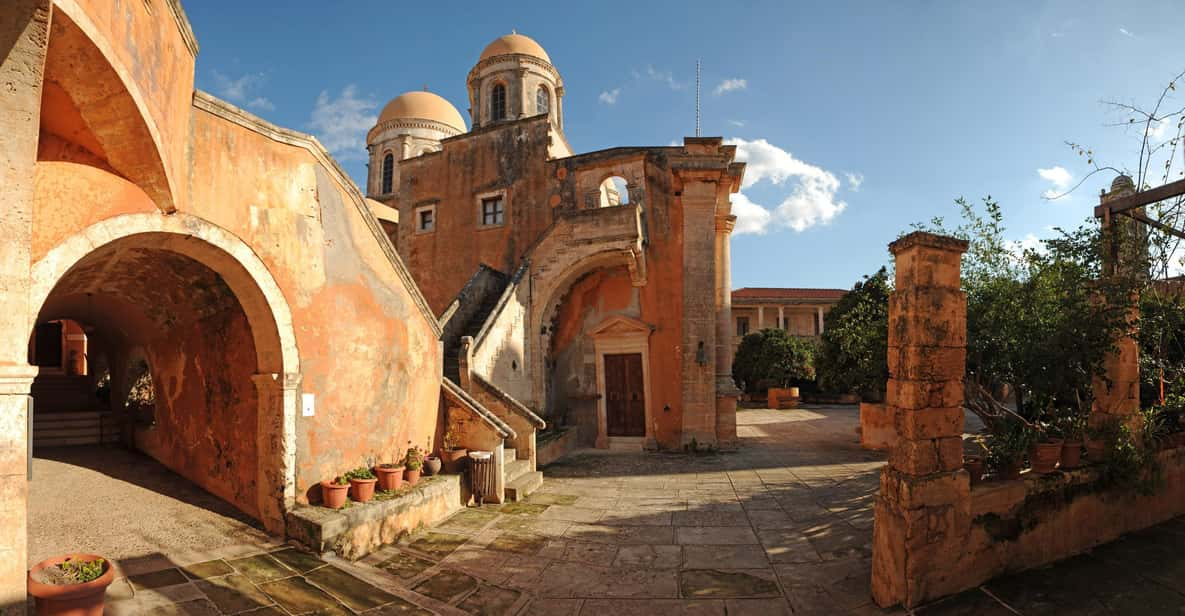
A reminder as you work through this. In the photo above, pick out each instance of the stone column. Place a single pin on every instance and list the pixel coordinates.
(1117, 398)
(924, 497)
(760, 317)
(559, 107)
(275, 439)
(24, 37)
(523, 96)
(726, 389)
(820, 309)
(699, 310)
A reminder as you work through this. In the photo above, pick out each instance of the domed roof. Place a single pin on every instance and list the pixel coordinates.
(514, 43)
(422, 106)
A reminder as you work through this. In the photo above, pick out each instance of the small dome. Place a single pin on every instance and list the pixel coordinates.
(514, 43)
(422, 106)
(1121, 182)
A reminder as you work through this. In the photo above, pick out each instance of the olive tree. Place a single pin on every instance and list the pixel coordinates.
(853, 350)
(772, 358)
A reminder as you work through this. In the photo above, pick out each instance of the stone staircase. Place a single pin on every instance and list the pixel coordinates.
(520, 480)
(58, 429)
(471, 328)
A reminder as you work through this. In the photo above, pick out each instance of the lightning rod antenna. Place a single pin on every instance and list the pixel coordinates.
(697, 66)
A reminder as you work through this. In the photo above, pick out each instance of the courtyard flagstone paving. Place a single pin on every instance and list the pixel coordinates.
(782, 526)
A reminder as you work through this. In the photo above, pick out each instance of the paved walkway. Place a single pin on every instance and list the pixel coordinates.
(781, 527)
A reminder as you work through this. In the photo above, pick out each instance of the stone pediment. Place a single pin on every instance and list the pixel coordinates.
(619, 325)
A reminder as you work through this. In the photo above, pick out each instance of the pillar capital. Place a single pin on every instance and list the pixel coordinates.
(725, 224)
(16, 379)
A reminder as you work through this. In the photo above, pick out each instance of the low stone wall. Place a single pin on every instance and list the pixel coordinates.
(556, 447)
(878, 428)
(360, 529)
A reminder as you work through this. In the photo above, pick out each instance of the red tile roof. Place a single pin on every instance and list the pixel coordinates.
(759, 293)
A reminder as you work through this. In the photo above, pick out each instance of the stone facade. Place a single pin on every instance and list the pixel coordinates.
(628, 233)
(798, 311)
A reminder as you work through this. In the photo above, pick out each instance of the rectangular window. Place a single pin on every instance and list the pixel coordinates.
(742, 326)
(492, 213)
(425, 220)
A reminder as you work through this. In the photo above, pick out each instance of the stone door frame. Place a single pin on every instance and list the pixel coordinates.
(617, 335)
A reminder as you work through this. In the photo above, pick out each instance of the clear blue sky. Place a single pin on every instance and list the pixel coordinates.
(890, 109)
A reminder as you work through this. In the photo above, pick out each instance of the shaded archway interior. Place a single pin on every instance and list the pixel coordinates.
(153, 306)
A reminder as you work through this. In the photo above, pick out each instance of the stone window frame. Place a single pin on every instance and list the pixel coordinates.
(482, 198)
(542, 93)
(505, 101)
(387, 173)
(417, 221)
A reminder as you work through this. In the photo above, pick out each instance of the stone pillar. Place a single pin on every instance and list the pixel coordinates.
(699, 310)
(559, 107)
(820, 309)
(523, 96)
(24, 37)
(924, 498)
(275, 439)
(781, 317)
(1118, 396)
(726, 389)
(760, 317)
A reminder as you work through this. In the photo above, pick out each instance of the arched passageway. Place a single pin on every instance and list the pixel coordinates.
(197, 370)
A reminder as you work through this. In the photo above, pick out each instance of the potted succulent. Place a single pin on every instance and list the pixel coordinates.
(453, 456)
(390, 476)
(413, 461)
(1007, 447)
(361, 483)
(333, 492)
(74, 584)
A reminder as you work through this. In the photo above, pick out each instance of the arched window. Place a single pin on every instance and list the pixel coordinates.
(542, 100)
(388, 172)
(614, 191)
(498, 103)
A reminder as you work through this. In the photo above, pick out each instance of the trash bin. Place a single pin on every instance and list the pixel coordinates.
(481, 475)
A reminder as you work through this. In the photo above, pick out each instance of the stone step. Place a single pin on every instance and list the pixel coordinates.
(515, 469)
(509, 454)
(522, 486)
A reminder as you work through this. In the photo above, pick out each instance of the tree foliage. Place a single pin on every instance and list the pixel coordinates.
(854, 346)
(772, 358)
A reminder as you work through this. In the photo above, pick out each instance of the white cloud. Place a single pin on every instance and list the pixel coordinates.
(737, 123)
(728, 85)
(609, 97)
(665, 77)
(855, 180)
(1156, 129)
(809, 191)
(1126, 32)
(260, 102)
(1058, 177)
(341, 123)
(1029, 242)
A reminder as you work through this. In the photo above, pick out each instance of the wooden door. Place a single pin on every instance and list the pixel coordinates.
(625, 395)
(47, 345)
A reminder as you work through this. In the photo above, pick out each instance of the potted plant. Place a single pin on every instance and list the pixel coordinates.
(333, 492)
(974, 466)
(453, 456)
(361, 483)
(74, 584)
(1007, 447)
(390, 476)
(431, 462)
(1046, 452)
(1099, 438)
(413, 461)
(1073, 428)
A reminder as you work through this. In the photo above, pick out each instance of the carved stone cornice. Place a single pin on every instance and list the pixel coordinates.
(449, 130)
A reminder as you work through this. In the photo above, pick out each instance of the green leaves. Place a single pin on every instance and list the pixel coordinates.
(854, 345)
(772, 358)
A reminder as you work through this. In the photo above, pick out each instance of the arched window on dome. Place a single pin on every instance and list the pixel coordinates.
(542, 100)
(388, 173)
(498, 103)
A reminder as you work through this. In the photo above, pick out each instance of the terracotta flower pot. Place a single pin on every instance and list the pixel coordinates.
(70, 599)
(333, 495)
(974, 466)
(362, 490)
(431, 466)
(412, 476)
(1071, 454)
(390, 477)
(1045, 456)
(454, 460)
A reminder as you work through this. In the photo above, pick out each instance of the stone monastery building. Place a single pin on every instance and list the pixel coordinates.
(591, 288)
(212, 290)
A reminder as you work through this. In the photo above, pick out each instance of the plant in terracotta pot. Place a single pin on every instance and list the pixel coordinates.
(1046, 452)
(362, 482)
(390, 476)
(413, 462)
(1073, 428)
(1100, 436)
(975, 463)
(333, 492)
(72, 584)
(1007, 447)
(453, 457)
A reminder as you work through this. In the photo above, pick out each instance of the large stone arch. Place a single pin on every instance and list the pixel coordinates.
(277, 370)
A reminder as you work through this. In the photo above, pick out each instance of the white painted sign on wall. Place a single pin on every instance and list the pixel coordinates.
(306, 405)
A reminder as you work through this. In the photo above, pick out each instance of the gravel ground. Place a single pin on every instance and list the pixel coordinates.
(124, 506)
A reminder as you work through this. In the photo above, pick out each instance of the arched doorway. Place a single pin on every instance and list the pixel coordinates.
(199, 347)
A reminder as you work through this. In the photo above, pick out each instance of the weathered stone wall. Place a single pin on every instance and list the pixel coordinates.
(500, 356)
